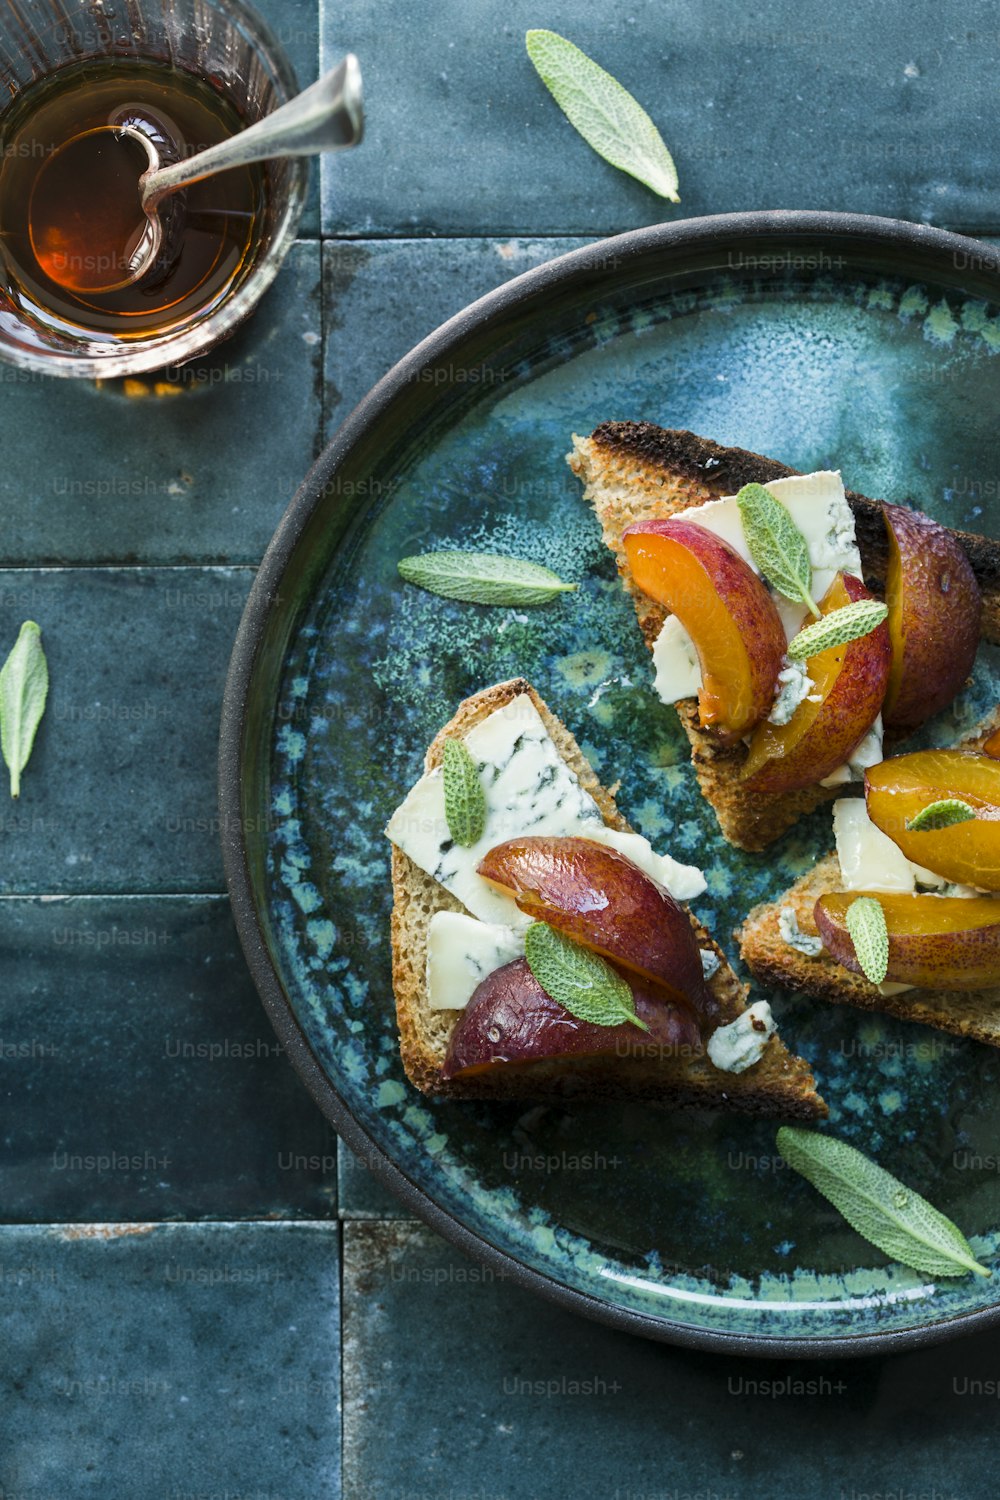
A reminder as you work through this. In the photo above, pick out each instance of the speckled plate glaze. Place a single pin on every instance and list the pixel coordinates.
(823, 340)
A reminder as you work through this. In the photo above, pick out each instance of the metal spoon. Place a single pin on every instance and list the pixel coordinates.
(328, 116)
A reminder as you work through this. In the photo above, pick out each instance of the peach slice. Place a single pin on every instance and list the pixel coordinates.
(599, 898)
(724, 607)
(510, 1019)
(898, 788)
(849, 683)
(935, 942)
(934, 617)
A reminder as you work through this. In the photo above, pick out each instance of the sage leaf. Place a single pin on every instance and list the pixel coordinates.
(483, 578)
(464, 798)
(776, 544)
(578, 979)
(613, 123)
(870, 936)
(941, 814)
(837, 628)
(24, 687)
(882, 1210)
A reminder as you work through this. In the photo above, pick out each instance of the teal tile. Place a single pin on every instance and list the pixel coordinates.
(492, 1393)
(382, 297)
(119, 794)
(196, 466)
(360, 1192)
(140, 1077)
(170, 1362)
(295, 25)
(780, 106)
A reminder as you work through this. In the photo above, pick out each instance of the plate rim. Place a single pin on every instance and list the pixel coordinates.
(679, 235)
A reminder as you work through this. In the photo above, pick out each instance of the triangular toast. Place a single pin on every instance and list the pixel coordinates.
(971, 1013)
(636, 471)
(780, 1084)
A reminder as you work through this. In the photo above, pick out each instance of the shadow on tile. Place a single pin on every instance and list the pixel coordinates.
(491, 1392)
(193, 464)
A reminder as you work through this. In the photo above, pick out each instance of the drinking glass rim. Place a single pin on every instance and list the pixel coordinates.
(143, 357)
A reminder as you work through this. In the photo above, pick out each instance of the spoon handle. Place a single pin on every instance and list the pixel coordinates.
(328, 116)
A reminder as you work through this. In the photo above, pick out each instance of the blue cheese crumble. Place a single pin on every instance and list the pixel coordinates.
(792, 934)
(794, 684)
(710, 962)
(740, 1045)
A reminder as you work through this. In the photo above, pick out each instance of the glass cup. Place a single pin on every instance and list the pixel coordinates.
(219, 40)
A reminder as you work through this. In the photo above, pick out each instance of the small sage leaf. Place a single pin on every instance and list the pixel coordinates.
(837, 628)
(464, 798)
(24, 687)
(880, 1207)
(483, 578)
(578, 979)
(870, 936)
(613, 123)
(776, 544)
(941, 814)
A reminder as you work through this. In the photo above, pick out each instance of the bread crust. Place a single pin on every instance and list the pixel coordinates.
(968, 1013)
(636, 471)
(780, 1084)
(714, 471)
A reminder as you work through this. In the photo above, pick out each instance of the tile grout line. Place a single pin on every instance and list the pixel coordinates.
(258, 1221)
(340, 1336)
(458, 239)
(54, 896)
(391, 237)
(119, 567)
(324, 411)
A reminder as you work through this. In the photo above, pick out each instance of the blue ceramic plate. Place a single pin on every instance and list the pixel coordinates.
(821, 340)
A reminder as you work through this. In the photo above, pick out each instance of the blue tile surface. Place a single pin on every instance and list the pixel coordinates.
(360, 1193)
(382, 297)
(195, 465)
(119, 794)
(171, 1362)
(781, 106)
(139, 1075)
(295, 26)
(188, 1361)
(490, 1393)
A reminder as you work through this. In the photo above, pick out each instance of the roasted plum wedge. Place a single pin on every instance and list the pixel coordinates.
(935, 942)
(898, 789)
(848, 685)
(511, 1020)
(935, 611)
(725, 609)
(599, 898)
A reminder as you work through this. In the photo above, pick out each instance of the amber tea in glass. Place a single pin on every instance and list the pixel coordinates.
(70, 200)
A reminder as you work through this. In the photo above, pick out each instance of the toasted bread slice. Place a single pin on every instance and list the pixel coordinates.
(636, 471)
(971, 1013)
(780, 1084)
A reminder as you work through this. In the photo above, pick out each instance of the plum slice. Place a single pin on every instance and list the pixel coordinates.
(899, 788)
(848, 687)
(510, 1020)
(935, 610)
(935, 942)
(599, 898)
(725, 609)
